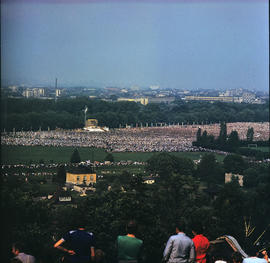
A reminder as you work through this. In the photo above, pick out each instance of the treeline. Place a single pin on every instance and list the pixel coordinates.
(231, 142)
(177, 194)
(34, 114)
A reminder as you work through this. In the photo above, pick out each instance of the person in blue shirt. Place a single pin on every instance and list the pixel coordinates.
(82, 244)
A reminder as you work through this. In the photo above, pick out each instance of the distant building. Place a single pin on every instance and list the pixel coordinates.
(248, 97)
(81, 179)
(229, 176)
(143, 101)
(28, 93)
(220, 98)
(166, 100)
(13, 88)
(58, 92)
(149, 180)
(91, 125)
(35, 92)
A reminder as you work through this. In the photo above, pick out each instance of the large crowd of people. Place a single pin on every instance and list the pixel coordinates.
(172, 138)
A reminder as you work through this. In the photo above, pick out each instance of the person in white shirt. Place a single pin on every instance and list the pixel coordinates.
(24, 258)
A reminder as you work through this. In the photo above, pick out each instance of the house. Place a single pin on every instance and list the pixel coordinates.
(229, 176)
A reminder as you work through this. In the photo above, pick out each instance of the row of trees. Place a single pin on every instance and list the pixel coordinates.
(33, 114)
(231, 142)
(177, 195)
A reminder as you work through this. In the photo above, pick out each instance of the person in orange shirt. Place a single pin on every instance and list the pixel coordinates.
(201, 244)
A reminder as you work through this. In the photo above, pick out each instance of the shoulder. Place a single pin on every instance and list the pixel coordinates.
(173, 237)
(188, 239)
(71, 232)
(139, 240)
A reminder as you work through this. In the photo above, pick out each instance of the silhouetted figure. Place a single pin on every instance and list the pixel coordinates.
(129, 248)
(17, 250)
(82, 245)
(201, 243)
(179, 248)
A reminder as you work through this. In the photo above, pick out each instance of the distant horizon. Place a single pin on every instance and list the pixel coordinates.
(177, 44)
(51, 86)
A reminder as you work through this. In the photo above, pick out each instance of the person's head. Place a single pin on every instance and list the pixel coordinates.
(17, 248)
(79, 224)
(261, 253)
(180, 227)
(131, 227)
(197, 229)
(237, 257)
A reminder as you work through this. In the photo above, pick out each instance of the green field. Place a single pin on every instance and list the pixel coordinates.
(49, 154)
(262, 149)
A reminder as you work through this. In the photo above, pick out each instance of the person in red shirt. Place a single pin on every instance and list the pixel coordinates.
(201, 244)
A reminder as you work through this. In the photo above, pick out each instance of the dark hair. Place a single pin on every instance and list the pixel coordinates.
(181, 226)
(260, 254)
(237, 257)
(198, 228)
(132, 227)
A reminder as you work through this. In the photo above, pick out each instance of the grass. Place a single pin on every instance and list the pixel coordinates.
(34, 154)
(259, 148)
(48, 188)
(262, 148)
(27, 154)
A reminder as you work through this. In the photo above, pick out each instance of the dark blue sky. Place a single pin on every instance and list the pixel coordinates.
(179, 44)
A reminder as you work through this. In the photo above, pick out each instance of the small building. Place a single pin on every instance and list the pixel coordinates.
(229, 176)
(91, 125)
(148, 180)
(81, 178)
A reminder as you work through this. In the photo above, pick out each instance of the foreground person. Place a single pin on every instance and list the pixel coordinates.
(17, 250)
(179, 248)
(129, 248)
(201, 244)
(82, 246)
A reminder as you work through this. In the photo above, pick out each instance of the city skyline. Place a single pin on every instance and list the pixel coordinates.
(173, 44)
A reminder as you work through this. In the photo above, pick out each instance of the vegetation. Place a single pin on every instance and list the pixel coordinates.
(35, 114)
(33, 154)
(232, 143)
(178, 195)
(75, 157)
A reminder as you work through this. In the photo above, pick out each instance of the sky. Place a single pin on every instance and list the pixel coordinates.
(183, 44)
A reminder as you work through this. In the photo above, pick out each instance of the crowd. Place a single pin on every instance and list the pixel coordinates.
(78, 246)
(176, 138)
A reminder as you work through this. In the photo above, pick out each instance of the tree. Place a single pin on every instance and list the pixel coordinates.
(234, 163)
(109, 157)
(184, 166)
(60, 177)
(198, 135)
(233, 141)
(75, 157)
(209, 170)
(250, 134)
(230, 206)
(222, 138)
(162, 164)
(250, 178)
